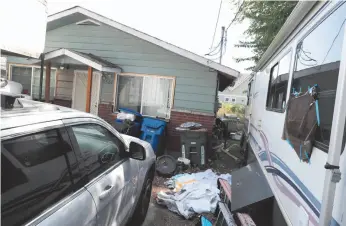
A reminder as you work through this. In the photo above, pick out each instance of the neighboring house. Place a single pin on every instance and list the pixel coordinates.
(3, 68)
(97, 65)
(236, 94)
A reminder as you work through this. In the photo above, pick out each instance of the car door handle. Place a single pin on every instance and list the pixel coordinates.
(105, 192)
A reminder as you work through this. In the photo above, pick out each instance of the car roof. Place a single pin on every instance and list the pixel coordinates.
(33, 112)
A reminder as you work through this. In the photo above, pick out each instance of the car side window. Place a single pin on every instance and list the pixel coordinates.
(99, 148)
(34, 175)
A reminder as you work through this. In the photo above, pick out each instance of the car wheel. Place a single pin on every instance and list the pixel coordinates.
(143, 204)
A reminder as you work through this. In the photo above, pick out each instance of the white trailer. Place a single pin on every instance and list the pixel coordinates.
(23, 32)
(23, 27)
(309, 49)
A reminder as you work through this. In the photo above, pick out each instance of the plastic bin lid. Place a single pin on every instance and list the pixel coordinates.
(153, 123)
(127, 110)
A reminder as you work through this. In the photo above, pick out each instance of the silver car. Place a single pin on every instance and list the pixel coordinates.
(64, 167)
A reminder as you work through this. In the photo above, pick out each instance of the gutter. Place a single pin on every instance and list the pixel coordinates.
(295, 18)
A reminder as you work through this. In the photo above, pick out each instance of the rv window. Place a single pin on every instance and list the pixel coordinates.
(278, 81)
(317, 62)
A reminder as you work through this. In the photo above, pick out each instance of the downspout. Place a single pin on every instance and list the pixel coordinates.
(41, 77)
(333, 174)
(217, 101)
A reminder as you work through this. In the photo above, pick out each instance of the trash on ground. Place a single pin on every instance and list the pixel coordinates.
(207, 177)
(126, 116)
(204, 221)
(166, 165)
(224, 216)
(184, 160)
(189, 125)
(192, 194)
(190, 200)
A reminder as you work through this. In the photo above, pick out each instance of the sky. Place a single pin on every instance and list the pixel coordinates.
(188, 24)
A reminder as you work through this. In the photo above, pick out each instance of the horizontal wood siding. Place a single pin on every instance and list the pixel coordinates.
(195, 83)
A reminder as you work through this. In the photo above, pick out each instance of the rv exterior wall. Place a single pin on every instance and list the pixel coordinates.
(32, 22)
(336, 143)
(296, 187)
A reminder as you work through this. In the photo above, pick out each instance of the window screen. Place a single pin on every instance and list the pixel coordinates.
(148, 95)
(278, 81)
(29, 77)
(34, 175)
(22, 75)
(317, 62)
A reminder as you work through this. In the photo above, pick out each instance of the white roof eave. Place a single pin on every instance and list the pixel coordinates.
(83, 60)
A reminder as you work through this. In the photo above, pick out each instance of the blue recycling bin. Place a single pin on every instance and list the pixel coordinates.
(133, 129)
(153, 131)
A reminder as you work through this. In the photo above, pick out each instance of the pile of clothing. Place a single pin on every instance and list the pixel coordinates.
(192, 194)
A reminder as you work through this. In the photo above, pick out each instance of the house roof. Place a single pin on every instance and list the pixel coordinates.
(85, 58)
(77, 13)
(243, 78)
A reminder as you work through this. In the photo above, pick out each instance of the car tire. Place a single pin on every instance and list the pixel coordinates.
(142, 206)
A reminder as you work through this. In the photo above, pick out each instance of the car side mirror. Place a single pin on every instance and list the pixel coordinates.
(137, 151)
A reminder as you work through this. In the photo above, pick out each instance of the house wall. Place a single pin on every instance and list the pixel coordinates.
(195, 83)
(239, 93)
(195, 89)
(228, 98)
(240, 89)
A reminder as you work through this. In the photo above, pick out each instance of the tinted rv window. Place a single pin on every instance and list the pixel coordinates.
(317, 62)
(278, 81)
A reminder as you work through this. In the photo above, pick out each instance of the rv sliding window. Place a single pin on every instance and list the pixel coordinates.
(278, 81)
(317, 62)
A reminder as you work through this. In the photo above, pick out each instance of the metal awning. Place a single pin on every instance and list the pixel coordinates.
(61, 57)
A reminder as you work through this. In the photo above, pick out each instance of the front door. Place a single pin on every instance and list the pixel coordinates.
(80, 91)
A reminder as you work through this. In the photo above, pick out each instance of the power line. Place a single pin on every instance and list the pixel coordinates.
(331, 46)
(217, 21)
(213, 54)
(207, 54)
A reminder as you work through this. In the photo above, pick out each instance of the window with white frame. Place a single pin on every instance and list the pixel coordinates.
(148, 95)
(29, 77)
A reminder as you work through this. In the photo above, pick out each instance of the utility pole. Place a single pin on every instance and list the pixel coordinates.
(221, 45)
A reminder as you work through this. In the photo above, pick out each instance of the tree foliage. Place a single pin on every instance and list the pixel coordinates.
(266, 18)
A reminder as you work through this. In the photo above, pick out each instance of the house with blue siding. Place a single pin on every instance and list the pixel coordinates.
(95, 64)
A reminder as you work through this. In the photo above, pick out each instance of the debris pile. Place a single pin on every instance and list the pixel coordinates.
(192, 194)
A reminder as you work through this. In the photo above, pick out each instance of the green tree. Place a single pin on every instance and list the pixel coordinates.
(266, 18)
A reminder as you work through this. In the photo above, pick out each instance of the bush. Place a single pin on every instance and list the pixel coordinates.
(228, 108)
